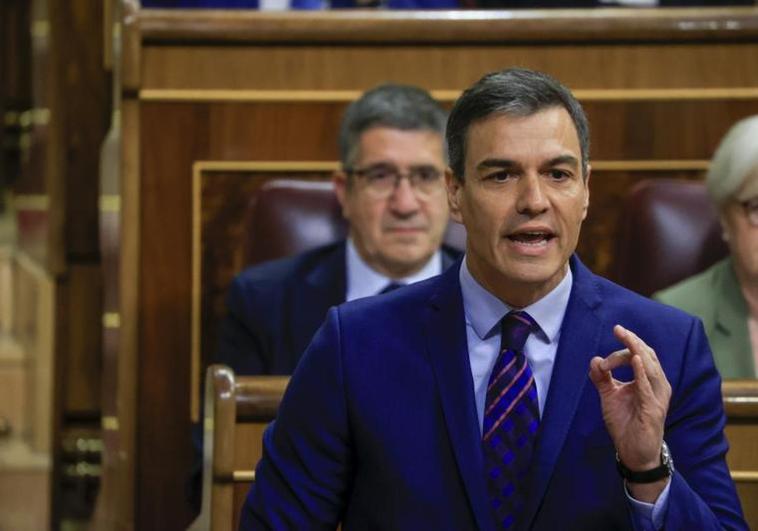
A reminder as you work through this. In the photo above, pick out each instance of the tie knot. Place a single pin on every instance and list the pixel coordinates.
(515, 329)
(392, 286)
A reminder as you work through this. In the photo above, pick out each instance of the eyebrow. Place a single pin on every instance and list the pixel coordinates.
(508, 163)
(497, 163)
(564, 159)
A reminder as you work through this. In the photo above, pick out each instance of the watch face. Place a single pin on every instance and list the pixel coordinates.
(666, 457)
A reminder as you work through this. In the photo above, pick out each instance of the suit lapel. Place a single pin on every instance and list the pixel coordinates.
(445, 328)
(732, 335)
(323, 287)
(579, 339)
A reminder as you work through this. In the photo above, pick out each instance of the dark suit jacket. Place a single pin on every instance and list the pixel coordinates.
(378, 427)
(273, 309)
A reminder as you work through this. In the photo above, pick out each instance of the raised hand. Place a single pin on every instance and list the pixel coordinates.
(634, 412)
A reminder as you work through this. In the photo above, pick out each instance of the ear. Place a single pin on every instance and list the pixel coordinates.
(586, 205)
(339, 179)
(454, 191)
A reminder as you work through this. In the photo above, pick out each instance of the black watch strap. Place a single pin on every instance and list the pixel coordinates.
(664, 470)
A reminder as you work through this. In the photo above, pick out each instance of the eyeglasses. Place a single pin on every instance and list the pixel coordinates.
(382, 179)
(751, 210)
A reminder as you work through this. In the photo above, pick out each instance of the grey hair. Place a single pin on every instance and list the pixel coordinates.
(517, 92)
(734, 161)
(395, 106)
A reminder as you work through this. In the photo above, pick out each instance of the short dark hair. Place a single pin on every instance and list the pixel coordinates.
(396, 106)
(515, 91)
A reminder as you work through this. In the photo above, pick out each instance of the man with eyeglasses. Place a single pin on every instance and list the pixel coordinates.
(725, 296)
(392, 191)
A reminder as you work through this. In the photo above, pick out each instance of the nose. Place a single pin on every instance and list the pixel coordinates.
(403, 201)
(531, 199)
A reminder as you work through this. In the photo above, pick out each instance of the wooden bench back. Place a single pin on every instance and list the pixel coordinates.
(237, 411)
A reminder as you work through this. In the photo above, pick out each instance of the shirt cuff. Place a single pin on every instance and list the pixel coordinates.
(649, 516)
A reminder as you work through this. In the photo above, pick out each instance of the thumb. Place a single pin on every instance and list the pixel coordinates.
(600, 377)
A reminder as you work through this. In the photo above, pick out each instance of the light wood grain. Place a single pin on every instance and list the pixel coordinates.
(600, 65)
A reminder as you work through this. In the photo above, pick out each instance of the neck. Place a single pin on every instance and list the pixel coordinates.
(391, 270)
(516, 294)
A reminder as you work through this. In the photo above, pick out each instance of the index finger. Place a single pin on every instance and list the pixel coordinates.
(646, 353)
(634, 343)
(616, 359)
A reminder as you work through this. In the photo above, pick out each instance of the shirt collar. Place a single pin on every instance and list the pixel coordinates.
(363, 281)
(484, 311)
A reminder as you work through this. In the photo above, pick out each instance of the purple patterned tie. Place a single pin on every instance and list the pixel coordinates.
(511, 419)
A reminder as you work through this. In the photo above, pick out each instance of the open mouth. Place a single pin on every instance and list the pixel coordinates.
(532, 238)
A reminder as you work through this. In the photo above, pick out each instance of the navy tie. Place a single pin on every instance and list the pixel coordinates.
(511, 419)
(392, 286)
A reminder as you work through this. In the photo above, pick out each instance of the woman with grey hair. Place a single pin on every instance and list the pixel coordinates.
(725, 296)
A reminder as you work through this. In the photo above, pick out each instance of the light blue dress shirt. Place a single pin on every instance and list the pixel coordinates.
(362, 281)
(483, 312)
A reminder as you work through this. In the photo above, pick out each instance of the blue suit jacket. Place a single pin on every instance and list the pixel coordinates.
(273, 309)
(378, 427)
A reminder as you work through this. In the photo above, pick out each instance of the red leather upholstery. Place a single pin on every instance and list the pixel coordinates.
(289, 216)
(669, 230)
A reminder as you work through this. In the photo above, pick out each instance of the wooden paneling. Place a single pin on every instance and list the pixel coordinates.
(81, 379)
(660, 88)
(15, 92)
(80, 103)
(632, 66)
(622, 129)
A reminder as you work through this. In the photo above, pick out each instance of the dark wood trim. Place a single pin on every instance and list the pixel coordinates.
(496, 26)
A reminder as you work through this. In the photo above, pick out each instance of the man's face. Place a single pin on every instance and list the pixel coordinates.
(395, 231)
(522, 201)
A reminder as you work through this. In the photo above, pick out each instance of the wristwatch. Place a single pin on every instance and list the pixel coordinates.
(664, 470)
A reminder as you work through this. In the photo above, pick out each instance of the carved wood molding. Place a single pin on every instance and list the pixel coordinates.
(440, 26)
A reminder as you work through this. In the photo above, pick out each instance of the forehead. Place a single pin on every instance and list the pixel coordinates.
(523, 139)
(400, 146)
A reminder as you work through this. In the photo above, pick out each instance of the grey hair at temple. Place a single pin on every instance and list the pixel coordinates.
(517, 92)
(401, 107)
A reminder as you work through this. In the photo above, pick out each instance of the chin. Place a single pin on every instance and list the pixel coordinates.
(408, 258)
(534, 273)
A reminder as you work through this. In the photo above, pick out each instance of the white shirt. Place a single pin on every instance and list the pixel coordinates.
(363, 281)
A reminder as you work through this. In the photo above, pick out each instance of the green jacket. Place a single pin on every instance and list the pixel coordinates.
(715, 297)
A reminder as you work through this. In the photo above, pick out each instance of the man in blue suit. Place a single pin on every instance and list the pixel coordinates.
(392, 191)
(516, 391)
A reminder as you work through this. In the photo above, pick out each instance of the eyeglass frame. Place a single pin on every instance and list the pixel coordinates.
(412, 174)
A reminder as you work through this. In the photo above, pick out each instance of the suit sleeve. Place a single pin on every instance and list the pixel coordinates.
(304, 476)
(241, 343)
(702, 494)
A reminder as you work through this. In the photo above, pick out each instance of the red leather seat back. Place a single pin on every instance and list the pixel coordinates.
(669, 231)
(289, 216)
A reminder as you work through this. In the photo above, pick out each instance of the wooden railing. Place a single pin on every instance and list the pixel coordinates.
(238, 409)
